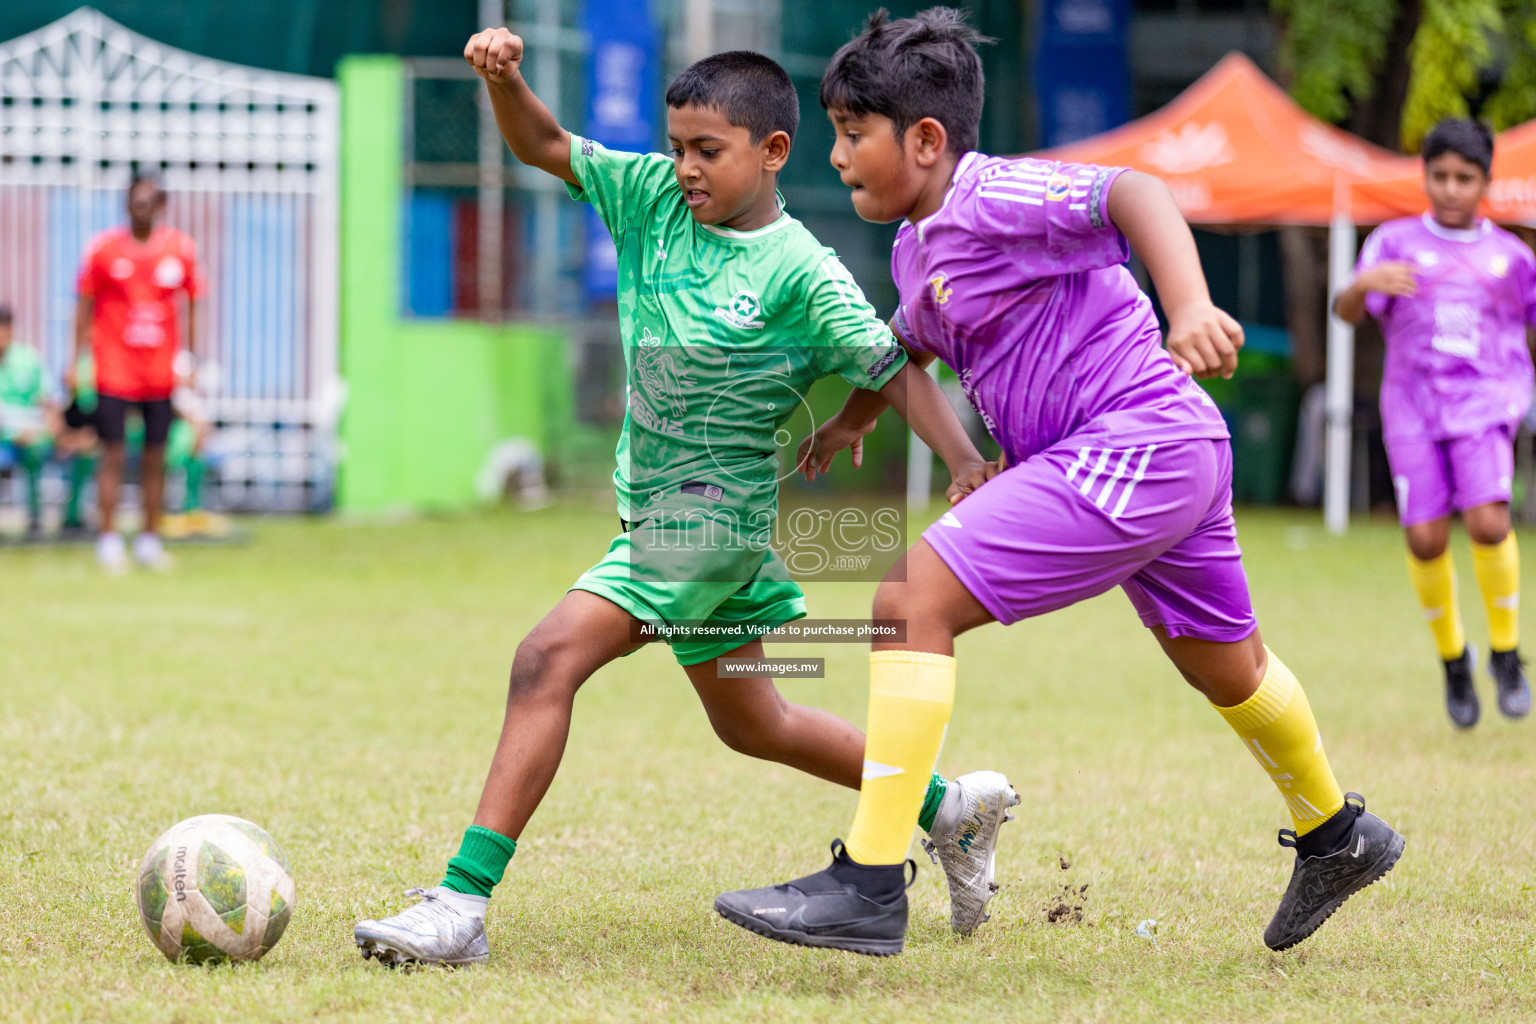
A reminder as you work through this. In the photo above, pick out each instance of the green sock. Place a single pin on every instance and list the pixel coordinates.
(33, 465)
(80, 469)
(194, 498)
(480, 862)
(936, 788)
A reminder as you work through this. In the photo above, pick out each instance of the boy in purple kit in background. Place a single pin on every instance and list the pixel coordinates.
(1116, 469)
(1454, 294)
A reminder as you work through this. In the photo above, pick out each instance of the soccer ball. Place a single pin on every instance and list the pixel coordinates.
(215, 887)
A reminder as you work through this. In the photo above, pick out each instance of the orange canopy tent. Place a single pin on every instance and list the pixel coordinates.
(1235, 149)
(1511, 194)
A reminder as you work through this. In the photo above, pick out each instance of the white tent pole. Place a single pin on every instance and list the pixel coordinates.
(920, 465)
(1340, 387)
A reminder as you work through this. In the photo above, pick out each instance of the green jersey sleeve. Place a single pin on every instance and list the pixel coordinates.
(620, 185)
(850, 339)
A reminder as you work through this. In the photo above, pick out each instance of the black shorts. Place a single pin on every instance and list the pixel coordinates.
(76, 418)
(112, 413)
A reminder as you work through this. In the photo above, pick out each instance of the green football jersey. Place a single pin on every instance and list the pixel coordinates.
(21, 389)
(724, 332)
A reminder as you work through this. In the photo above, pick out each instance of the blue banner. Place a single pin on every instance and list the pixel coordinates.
(1082, 76)
(623, 66)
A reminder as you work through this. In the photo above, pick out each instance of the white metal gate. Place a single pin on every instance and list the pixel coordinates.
(249, 159)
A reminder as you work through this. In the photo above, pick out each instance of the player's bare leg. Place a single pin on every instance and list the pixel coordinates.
(582, 634)
(152, 480)
(751, 717)
(109, 481)
(110, 550)
(925, 593)
(1226, 673)
(147, 548)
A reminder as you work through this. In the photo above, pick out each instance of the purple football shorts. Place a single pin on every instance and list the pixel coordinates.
(1073, 521)
(1435, 478)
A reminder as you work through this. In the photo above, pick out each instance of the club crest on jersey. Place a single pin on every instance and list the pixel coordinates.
(1426, 259)
(941, 290)
(743, 311)
(1058, 187)
(121, 269)
(1499, 265)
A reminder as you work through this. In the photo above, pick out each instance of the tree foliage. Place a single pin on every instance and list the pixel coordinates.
(1333, 50)
(1514, 100)
(1336, 54)
(1449, 49)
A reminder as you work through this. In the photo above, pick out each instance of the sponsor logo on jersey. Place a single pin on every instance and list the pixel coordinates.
(1457, 329)
(941, 290)
(743, 311)
(169, 273)
(1058, 187)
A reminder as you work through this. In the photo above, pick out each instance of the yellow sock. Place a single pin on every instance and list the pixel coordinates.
(1435, 582)
(1277, 727)
(1498, 577)
(910, 696)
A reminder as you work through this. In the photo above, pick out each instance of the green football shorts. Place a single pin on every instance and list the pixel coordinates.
(707, 596)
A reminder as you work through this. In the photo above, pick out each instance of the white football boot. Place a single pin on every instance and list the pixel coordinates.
(964, 842)
(446, 927)
(112, 553)
(149, 552)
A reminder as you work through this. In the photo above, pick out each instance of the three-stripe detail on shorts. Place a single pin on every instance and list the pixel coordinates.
(1110, 469)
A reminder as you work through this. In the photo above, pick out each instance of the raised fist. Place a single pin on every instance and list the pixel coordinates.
(494, 54)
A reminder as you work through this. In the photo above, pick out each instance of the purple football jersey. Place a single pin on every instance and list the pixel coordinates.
(1457, 362)
(1018, 283)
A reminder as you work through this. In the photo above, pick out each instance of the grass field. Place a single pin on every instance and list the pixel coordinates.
(341, 684)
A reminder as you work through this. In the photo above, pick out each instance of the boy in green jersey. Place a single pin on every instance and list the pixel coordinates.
(26, 420)
(729, 309)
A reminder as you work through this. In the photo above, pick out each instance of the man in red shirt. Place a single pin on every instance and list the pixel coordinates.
(127, 312)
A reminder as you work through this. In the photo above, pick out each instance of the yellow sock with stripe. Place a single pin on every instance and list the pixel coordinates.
(1277, 727)
(1498, 577)
(1435, 583)
(910, 697)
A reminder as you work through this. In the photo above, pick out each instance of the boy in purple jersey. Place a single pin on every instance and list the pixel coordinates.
(1454, 295)
(1116, 469)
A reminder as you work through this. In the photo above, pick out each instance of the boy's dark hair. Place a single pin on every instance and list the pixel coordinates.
(906, 70)
(146, 178)
(751, 90)
(1470, 140)
(5, 315)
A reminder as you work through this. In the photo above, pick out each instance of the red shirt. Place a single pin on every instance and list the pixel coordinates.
(135, 331)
